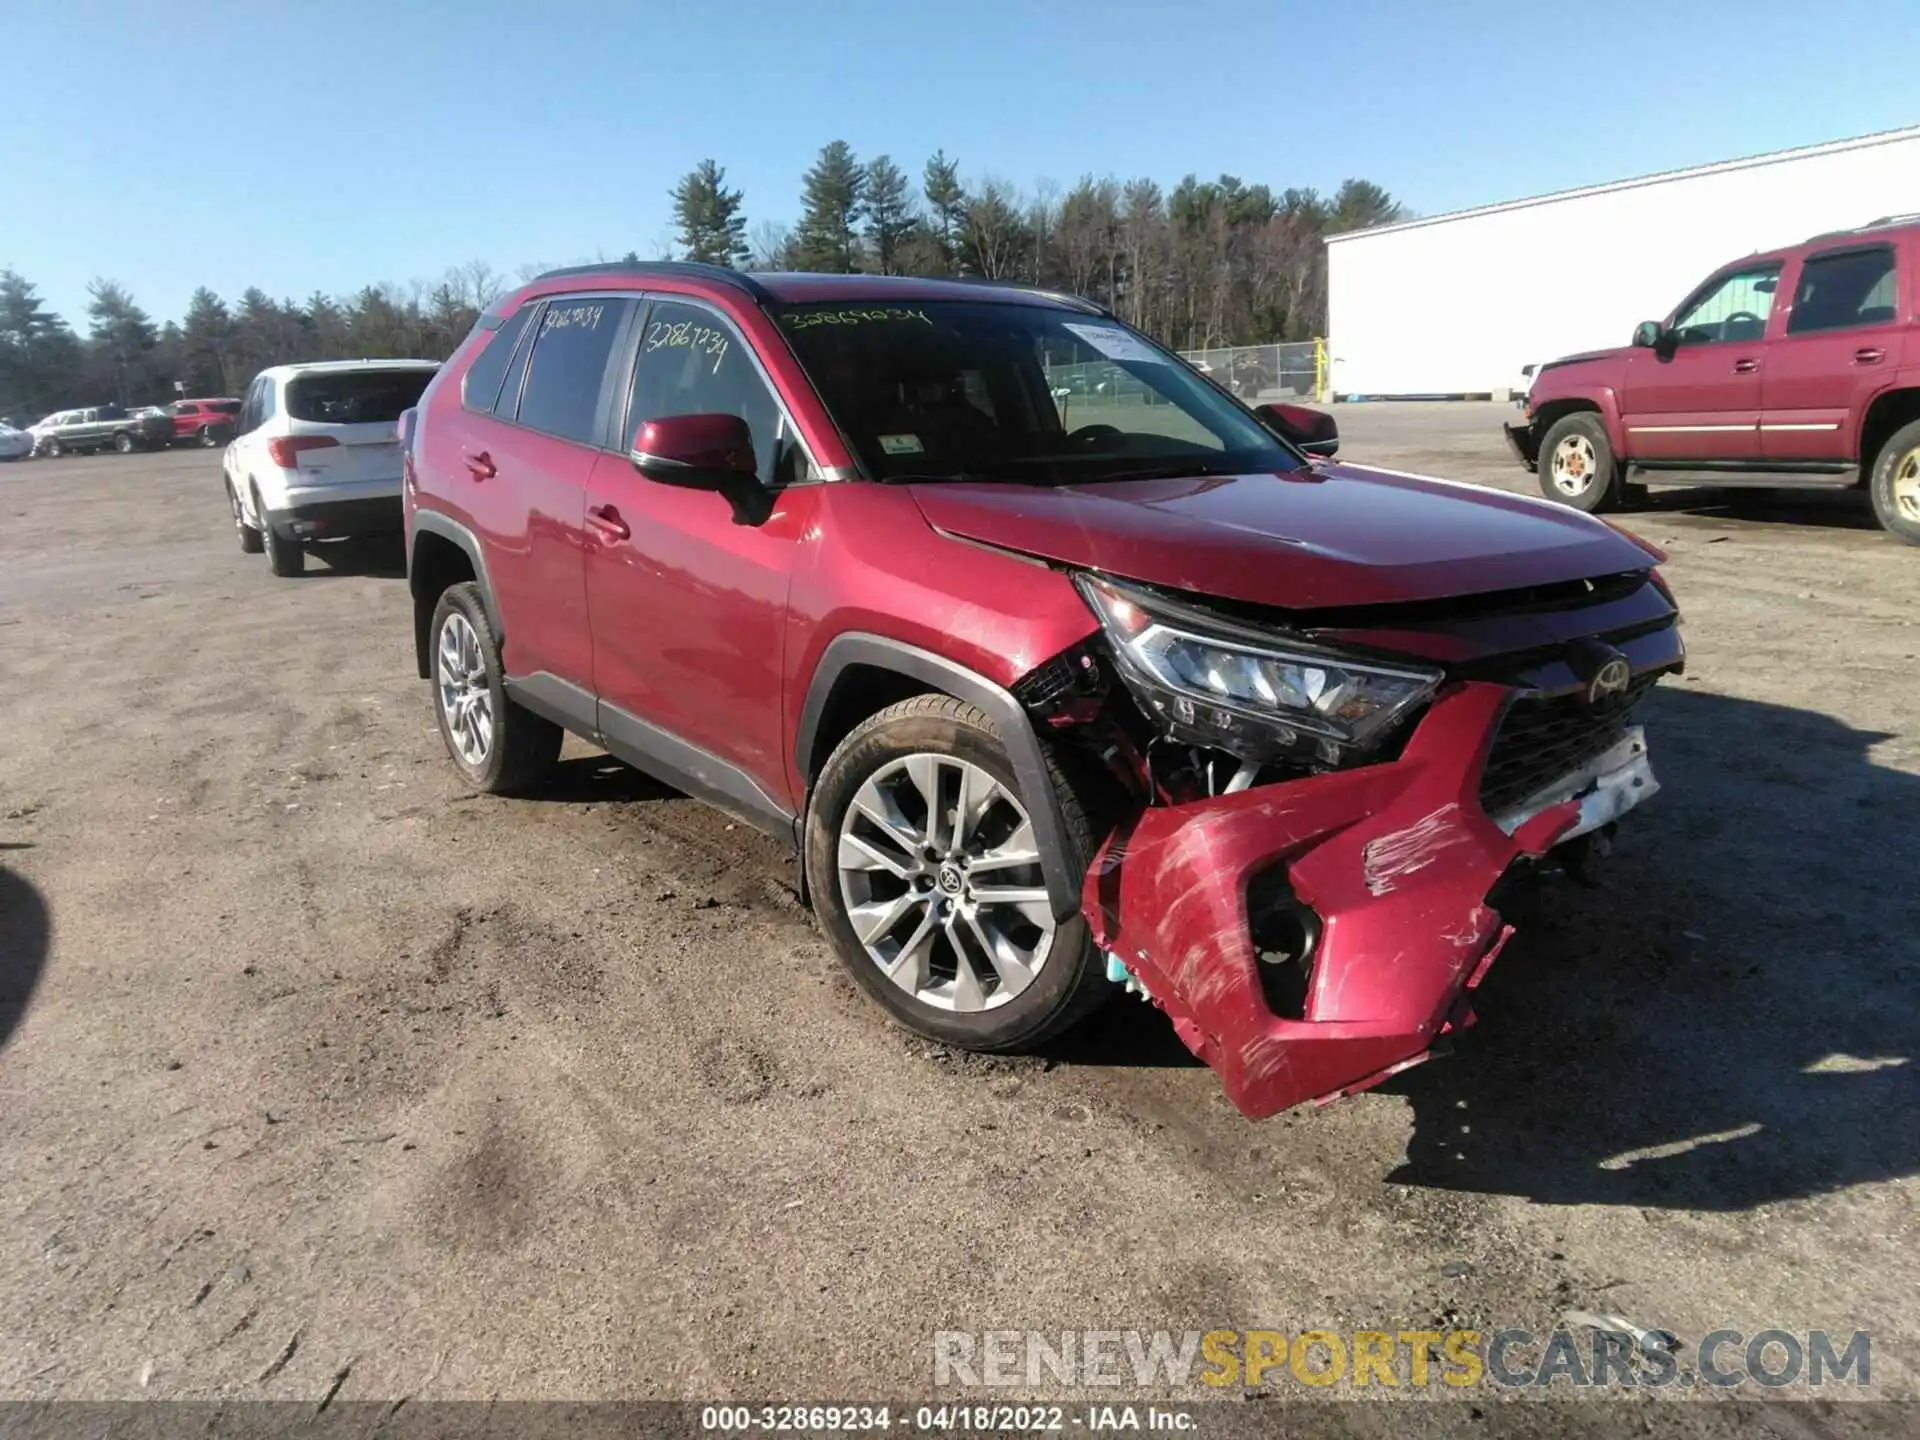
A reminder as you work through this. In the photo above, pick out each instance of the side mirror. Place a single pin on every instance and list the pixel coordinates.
(1313, 431)
(700, 452)
(1647, 334)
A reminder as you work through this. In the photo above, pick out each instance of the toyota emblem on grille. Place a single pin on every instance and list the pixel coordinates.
(1609, 682)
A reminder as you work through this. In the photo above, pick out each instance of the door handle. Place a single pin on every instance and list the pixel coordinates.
(479, 466)
(607, 521)
(1745, 367)
(1869, 355)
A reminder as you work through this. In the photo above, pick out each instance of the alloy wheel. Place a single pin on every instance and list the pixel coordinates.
(466, 699)
(1905, 487)
(940, 876)
(1574, 465)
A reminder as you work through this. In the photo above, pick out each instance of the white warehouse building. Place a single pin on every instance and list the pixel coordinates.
(1456, 304)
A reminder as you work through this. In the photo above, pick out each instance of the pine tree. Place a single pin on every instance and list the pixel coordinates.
(833, 201)
(890, 217)
(1361, 204)
(712, 227)
(206, 340)
(40, 357)
(947, 199)
(123, 340)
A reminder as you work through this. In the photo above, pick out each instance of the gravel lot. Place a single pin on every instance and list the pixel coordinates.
(314, 1064)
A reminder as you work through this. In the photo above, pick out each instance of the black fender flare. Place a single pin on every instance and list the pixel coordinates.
(1016, 733)
(432, 522)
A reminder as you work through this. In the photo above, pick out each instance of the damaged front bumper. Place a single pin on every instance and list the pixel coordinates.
(1524, 441)
(1387, 868)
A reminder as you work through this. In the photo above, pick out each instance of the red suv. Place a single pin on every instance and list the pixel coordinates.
(204, 422)
(1063, 671)
(1821, 388)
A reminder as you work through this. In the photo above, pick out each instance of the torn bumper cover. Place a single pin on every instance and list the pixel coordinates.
(1394, 861)
(1524, 441)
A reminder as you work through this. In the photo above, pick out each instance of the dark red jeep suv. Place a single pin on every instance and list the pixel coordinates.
(1064, 672)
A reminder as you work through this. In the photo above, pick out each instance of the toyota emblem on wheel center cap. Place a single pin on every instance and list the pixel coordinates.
(949, 880)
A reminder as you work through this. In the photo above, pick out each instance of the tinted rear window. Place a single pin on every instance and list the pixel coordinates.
(223, 407)
(482, 385)
(355, 397)
(569, 365)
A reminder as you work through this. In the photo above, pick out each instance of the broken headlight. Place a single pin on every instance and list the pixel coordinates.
(1255, 696)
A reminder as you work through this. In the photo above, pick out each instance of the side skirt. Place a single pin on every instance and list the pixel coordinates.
(1781, 475)
(658, 753)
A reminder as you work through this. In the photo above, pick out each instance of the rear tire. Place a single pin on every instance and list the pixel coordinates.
(284, 554)
(1003, 1004)
(1576, 464)
(208, 440)
(1895, 485)
(497, 746)
(54, 449)
(123, 442)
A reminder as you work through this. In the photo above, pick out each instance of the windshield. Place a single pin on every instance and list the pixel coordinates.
(984, 390)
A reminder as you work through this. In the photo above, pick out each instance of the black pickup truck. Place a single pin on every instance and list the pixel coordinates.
(99, 426)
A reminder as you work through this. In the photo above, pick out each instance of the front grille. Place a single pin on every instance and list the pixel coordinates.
(1541, 740)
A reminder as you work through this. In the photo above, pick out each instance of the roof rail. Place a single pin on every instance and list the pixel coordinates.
(684, 269)
(1065, 297)
(1885, 222)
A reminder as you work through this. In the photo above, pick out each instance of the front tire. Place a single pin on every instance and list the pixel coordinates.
(925, 875)
(1577, 465)
(1895, 485)
(54, 449)
(250, 539)
(497, 746)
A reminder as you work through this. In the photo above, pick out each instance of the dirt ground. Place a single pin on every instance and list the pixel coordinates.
(314, 1064)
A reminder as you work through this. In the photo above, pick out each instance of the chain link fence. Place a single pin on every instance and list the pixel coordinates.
(1262, 373)
(1100, 390)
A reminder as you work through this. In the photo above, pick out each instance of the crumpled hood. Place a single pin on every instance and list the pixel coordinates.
(1617, 353)
(1335, 535)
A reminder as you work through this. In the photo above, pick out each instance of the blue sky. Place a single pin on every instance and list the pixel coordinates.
(305, 146)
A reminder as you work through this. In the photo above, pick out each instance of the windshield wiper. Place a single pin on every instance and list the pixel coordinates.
(958, 477)
(1172, 470)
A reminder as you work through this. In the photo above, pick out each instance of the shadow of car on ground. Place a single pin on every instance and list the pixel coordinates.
(1728, 1019)
(1808, 509)
(383, 557)
(25, 931)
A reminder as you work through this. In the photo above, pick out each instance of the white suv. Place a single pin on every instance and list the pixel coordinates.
(317, 454)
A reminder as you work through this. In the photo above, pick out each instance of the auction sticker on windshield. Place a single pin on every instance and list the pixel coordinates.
(1117, 344)
(901, 444)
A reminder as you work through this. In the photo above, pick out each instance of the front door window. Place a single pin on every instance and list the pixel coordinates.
(1730, 308)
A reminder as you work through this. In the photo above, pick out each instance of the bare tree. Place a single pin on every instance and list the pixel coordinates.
(483, 284)
(771, 247)
(993, 232)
